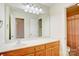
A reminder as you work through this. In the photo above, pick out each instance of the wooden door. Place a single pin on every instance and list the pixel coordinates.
(69, 32)
(19, 28)
(73, 29)
(73, 33)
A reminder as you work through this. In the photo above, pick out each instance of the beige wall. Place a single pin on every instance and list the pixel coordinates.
(58, 24)
(2, 29)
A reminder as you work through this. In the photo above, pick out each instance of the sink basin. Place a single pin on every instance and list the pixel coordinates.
(31, 41)
(28, 41)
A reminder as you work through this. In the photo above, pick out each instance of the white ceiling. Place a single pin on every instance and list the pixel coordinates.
(52, 4)
(48, 4)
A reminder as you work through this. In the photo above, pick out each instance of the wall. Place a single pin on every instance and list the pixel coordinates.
(58, 24)
(2, 29)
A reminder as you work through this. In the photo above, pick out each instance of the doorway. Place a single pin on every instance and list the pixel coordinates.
(19, 28)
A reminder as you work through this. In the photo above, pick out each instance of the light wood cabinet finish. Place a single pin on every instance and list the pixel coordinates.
(49, 45)
(48, 49)
(49, 52)
(32, 54)
(52, 49)
(39, 47)
(40, 53)
(19, 52)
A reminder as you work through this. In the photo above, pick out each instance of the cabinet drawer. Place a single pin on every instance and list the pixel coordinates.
(55, 51)
(49, 52)
(39, 47)
(53, 44)
(19, 52)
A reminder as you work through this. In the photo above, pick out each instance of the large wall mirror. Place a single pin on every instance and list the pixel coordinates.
(21, 25)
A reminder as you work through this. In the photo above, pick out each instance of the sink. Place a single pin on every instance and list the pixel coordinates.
(31, 41)
(28, 41)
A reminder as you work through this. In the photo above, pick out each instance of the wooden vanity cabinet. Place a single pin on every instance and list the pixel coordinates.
(40, 53)
(55, 51)
(52, 49)
(40, 50)
(32, 54)
(48, 49)
(49, 52)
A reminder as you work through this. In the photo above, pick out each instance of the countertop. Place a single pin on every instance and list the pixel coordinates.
(25, 44)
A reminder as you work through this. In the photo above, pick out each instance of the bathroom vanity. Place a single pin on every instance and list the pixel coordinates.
(42, 48)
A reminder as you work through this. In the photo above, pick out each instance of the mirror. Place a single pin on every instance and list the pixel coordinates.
(22, 25)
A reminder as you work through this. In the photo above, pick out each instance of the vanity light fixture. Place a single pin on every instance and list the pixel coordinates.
(40, 10)
(30, 8)
(26, 10)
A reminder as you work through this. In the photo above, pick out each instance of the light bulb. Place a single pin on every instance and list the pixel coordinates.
(30, 11)
(37, 12)
(25, 10)
(36, 9)
(27, 6)
(40, 10)
(34, 12)
(32, 8)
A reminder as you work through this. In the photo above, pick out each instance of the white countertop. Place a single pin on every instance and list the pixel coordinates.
(24, 44)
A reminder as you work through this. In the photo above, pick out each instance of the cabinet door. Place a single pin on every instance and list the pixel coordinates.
(49, 52)
(40, 53)
(55, 51)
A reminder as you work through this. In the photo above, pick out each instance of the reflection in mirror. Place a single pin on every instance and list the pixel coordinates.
(9, 28)
(19, 28)
(1, 23)
(40, 27)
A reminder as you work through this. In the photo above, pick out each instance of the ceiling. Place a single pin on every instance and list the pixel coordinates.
(48, 4)
(52, 4)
